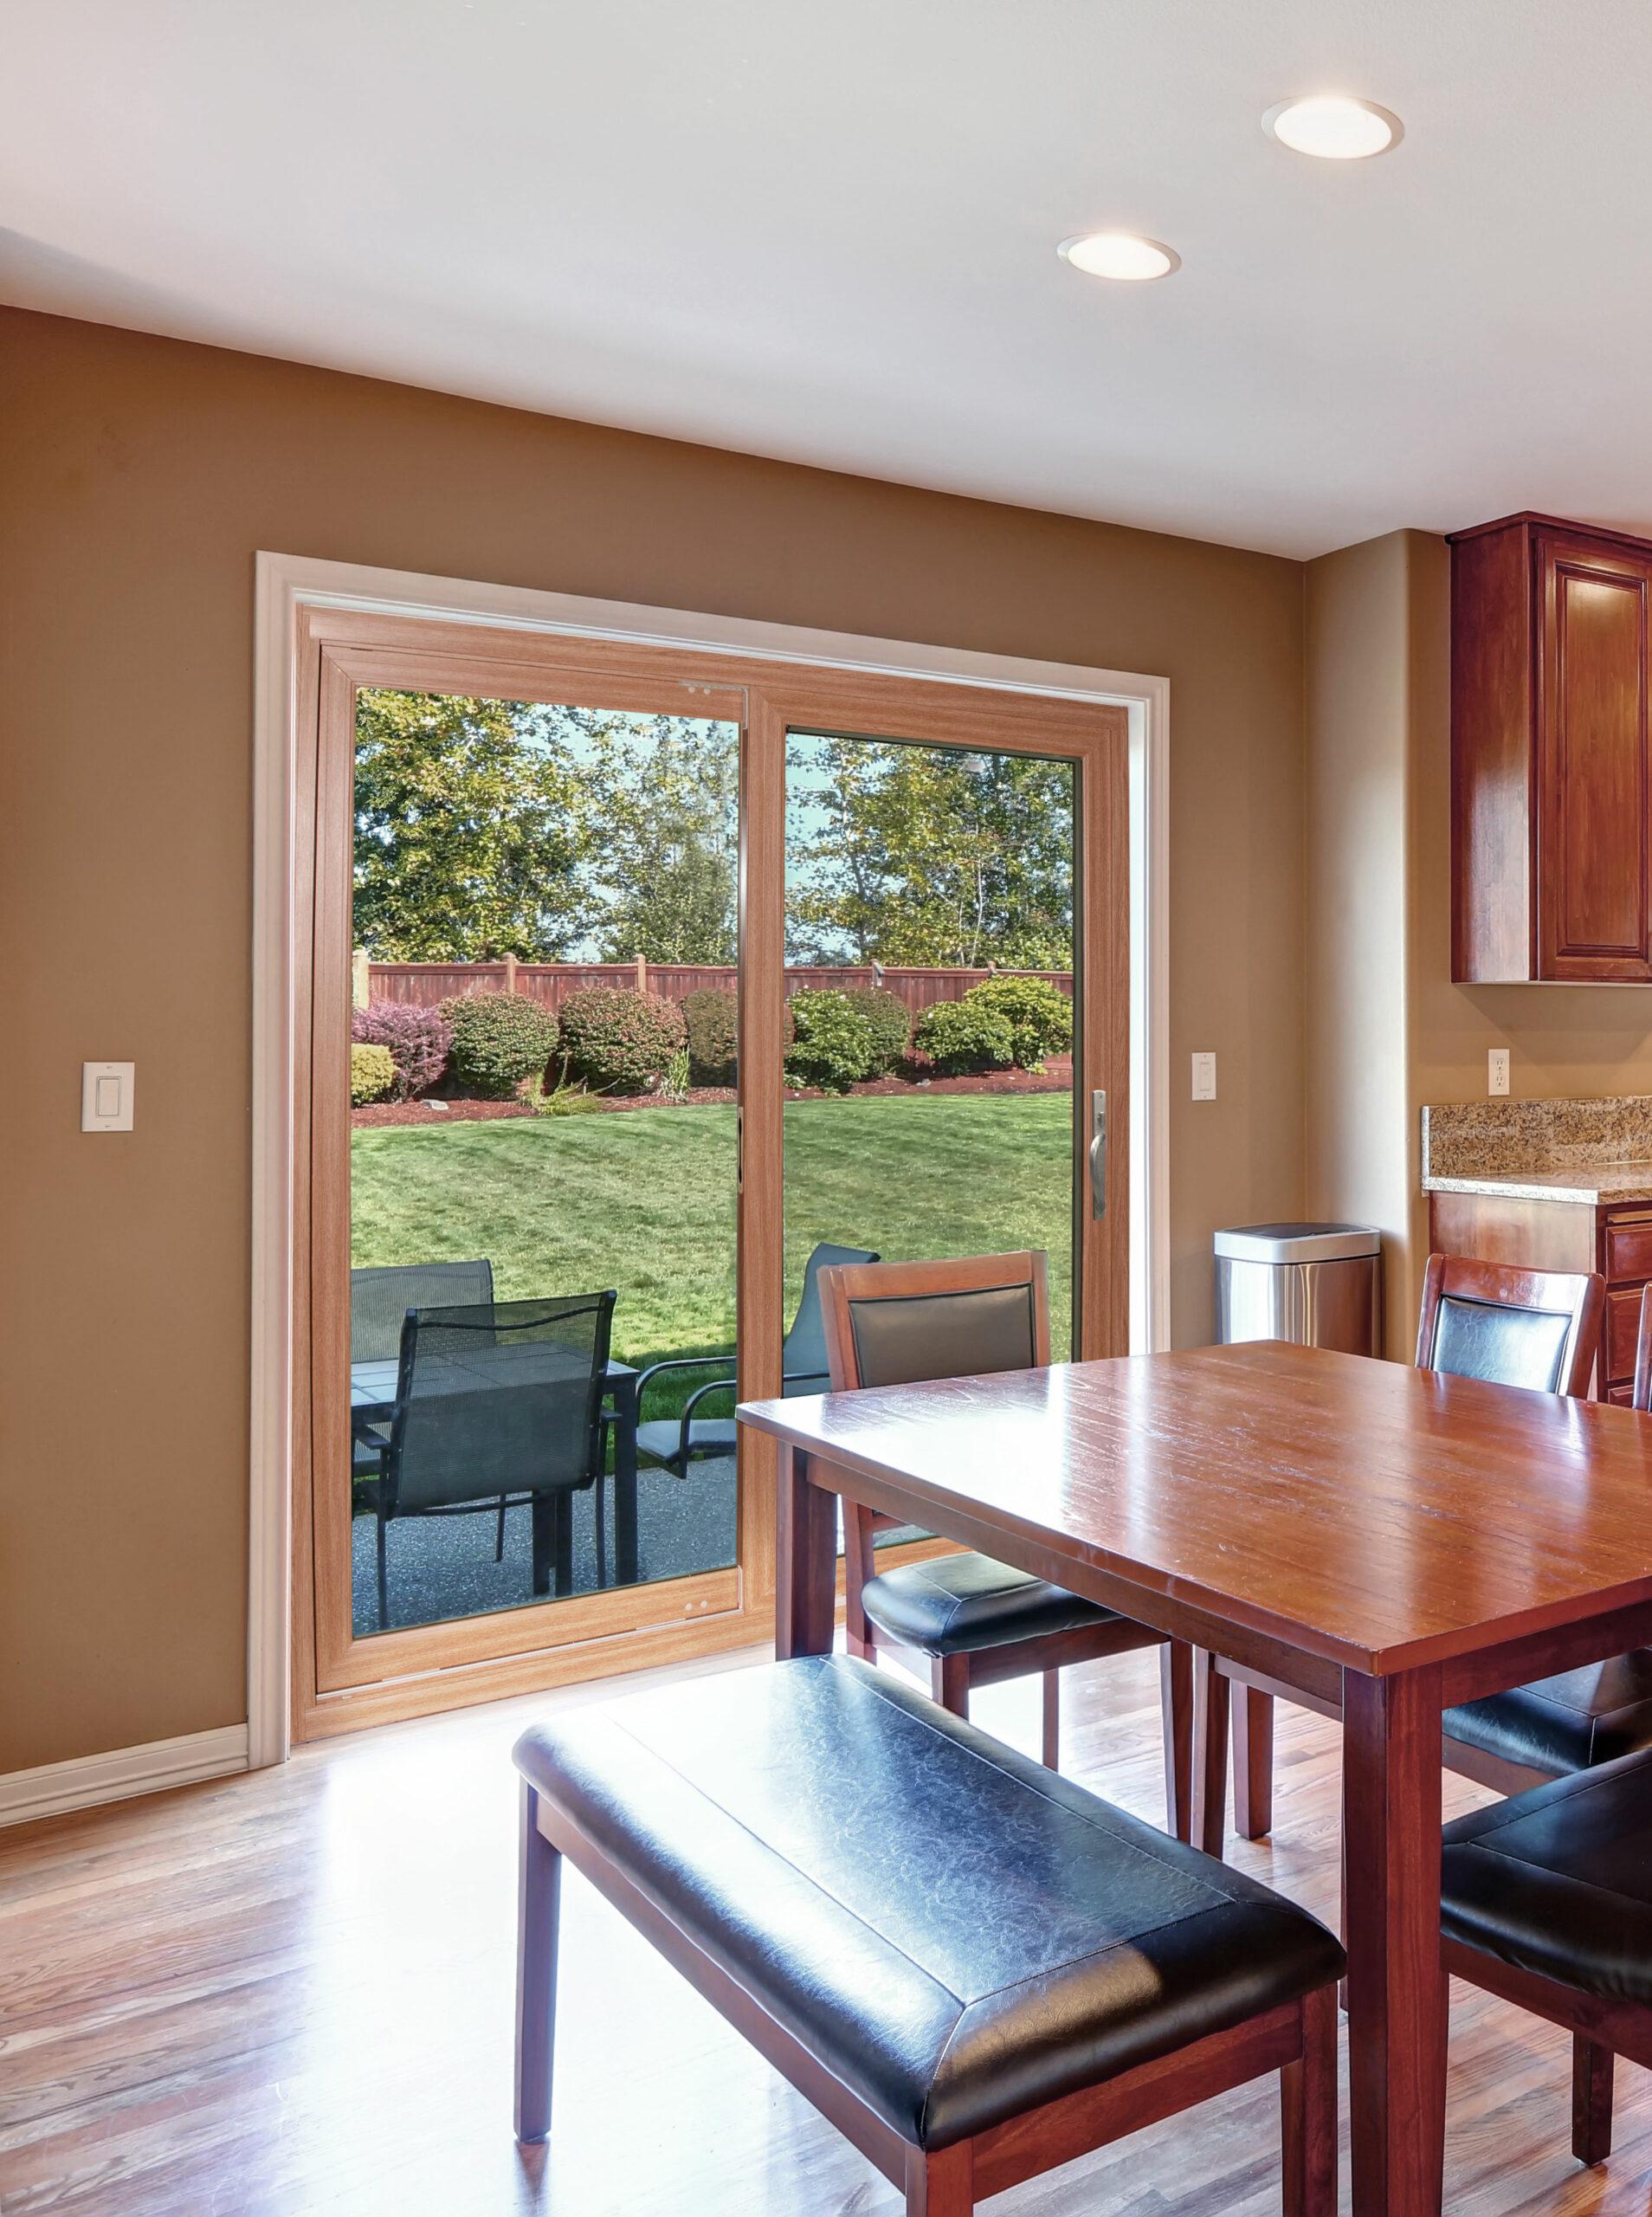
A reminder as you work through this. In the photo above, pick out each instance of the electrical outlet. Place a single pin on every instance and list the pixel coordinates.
(1497, 1070)
(1204, 1078)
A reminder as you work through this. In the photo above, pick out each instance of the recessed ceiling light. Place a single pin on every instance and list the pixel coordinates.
(1334, 127)
(1120, 254)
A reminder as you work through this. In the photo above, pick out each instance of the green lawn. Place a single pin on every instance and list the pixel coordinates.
(644, 1200)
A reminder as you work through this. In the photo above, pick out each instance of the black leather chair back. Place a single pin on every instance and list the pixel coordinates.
(902, 1338)
(1509, 1347)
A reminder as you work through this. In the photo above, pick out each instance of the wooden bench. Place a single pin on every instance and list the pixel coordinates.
(976, 1969)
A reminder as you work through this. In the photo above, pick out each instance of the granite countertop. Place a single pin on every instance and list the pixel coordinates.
(1594, 1152)
(1613, 1181)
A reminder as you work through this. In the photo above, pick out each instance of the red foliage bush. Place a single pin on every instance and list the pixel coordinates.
(418, 1039)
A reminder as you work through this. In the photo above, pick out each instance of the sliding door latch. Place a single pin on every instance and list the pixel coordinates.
(1097, 1152)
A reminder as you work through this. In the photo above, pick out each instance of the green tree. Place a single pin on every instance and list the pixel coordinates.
(471, 827)
(927, 855)
(663, 864)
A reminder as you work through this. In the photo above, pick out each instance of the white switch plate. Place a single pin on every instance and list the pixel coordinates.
(105, 1096)
(1204, 1078)
(1497, 1070)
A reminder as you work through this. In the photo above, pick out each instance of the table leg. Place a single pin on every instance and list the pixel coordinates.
(625, 1554)
(806, 1559)
(1396, 1988)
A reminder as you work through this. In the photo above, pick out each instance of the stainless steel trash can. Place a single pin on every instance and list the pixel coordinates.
(1319, 1285)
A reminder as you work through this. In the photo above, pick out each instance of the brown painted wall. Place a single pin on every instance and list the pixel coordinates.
(137, 478)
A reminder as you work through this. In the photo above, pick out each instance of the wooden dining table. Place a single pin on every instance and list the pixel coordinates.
(1390, 1538)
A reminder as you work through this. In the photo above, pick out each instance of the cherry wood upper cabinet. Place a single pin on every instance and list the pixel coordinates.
(1551, 754)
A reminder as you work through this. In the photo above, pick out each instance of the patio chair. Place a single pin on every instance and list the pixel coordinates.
(497, 1400)
(675, 1442)
(379, 1300)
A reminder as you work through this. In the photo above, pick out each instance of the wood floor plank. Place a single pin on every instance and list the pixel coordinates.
(289, 1995)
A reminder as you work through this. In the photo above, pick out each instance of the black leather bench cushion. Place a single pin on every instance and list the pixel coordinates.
(1586, 1716)
(956, 1932)
(954, 1605)
(1559, 1880)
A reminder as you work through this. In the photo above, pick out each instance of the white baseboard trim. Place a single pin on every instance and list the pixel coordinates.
(86, 1780)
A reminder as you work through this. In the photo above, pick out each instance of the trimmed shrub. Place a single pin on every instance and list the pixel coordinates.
(1039, 1014)
(960, 1039)
(418, 1039)
(620, 1040)
(711, 1018)
(372, 1074)
(832, 1043)
(498, 1039)
(890, 1021)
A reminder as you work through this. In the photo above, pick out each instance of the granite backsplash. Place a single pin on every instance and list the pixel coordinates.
(1499, 1139)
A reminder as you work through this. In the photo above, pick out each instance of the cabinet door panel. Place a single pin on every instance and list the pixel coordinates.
(1594, 769)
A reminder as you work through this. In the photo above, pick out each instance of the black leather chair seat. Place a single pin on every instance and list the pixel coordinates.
(1559, 1880)
(662, 1437)
(954, 1605)
(957, 1933)
(1567, 1723)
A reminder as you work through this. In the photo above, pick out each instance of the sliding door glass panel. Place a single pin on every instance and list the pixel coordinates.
(544, 1153)
(929, 1060)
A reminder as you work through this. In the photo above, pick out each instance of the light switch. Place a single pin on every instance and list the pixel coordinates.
(1204, 1078)
(1497, 1070)
(105, 1096)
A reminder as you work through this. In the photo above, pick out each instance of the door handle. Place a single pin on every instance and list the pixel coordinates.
(1097, 1152)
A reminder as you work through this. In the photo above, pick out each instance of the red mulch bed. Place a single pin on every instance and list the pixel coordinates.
(1058, 1077)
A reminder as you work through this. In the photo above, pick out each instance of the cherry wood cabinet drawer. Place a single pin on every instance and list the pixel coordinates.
(1629, 1248)
(1620, 1396)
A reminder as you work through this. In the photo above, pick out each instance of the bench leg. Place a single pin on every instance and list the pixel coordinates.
(1052, 1720)
(1252, 1762)
(1593, 2075)
(1176, 1705)
(539, 1883)
(1210, 1753)
(942, 2185)
(949, 1681)
(1307, 2103)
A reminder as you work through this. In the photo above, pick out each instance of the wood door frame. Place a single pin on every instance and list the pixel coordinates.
(804, 678)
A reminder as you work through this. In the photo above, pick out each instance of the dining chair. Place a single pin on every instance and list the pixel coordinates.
(1546, 1901)
(963, 1619)
(675, 1442)
(1544, 1898)
(496, 1399)
(1539, 1329)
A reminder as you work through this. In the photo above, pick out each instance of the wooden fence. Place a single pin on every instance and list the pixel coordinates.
(424, 983)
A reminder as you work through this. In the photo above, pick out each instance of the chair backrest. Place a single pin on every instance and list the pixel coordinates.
(804, 1356)
(1516, 1327)
(893, 1323)
(498, 1397)
(380, 1298)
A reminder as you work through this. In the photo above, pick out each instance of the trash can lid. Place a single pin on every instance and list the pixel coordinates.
(1298, 1242)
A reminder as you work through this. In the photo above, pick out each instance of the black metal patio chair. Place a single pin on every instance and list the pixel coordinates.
(673, 1443)
(497, 1400)
(380, 1296)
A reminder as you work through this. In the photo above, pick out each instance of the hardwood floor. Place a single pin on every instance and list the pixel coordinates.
(291, 1993)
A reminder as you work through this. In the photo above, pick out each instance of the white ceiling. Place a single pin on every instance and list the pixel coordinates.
(825, 230)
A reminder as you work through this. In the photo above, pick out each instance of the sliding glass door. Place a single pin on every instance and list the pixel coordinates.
(930, 1108)
(543, 1172)
(640, 985)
